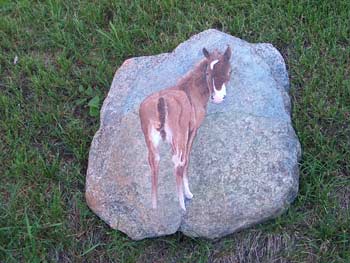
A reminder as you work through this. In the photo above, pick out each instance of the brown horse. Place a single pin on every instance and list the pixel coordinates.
(175, 114)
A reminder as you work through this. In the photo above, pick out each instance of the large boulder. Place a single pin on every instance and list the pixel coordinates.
(244, 161)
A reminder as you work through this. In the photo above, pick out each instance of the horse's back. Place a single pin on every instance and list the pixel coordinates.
(171, 96)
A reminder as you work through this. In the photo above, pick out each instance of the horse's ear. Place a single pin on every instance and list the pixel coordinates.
(206, 53)
(227, 54)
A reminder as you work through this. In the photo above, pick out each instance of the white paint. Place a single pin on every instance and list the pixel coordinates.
(169, 133)
(188, 193)
(213, 63)
(219, 95)
(156, 157)
(182, 201)
(154, 201)
(176, 159)
(155, 137)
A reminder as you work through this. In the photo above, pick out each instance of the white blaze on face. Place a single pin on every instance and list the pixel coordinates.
(213, 63)
(219, 95)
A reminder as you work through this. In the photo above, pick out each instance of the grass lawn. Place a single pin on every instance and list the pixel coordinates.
(67, 55)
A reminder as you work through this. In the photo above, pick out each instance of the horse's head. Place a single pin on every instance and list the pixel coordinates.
(218, 73)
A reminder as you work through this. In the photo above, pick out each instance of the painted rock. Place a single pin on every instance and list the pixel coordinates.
(244, 162)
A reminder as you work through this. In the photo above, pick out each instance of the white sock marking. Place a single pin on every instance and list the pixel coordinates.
(154, 202)
(188, 193)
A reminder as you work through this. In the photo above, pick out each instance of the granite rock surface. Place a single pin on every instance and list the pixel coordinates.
(244, 161)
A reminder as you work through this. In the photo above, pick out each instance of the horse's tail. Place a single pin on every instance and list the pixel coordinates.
(162, 114)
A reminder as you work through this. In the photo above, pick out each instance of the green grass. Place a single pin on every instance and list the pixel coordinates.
(67, 55)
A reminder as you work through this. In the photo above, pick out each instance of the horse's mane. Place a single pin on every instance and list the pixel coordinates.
(196, 74)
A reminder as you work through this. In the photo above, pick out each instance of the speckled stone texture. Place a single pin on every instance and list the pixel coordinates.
(244, 161)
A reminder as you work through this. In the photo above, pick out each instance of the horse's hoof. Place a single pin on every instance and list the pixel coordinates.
(189, 195)
(183, 207)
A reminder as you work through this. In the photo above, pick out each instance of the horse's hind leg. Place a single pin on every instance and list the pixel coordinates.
(179, 160)
(191, 136)
(153, 160)
(179, 184)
